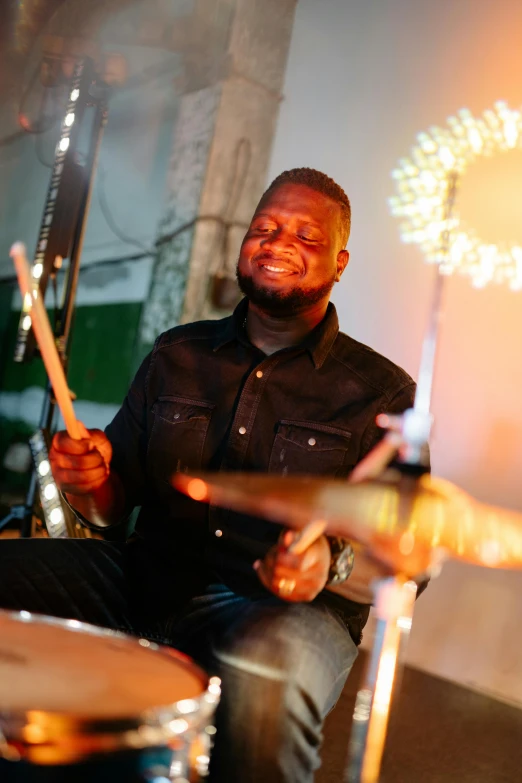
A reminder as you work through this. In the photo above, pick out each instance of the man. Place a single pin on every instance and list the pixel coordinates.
(275, 387)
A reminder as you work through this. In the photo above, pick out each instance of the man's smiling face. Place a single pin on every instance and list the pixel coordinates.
(292, 252)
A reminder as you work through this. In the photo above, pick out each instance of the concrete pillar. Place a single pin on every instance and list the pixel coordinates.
(217, 172)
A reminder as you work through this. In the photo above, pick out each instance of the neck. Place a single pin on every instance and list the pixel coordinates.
(271, 333)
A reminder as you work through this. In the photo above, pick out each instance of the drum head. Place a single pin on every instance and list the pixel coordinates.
(69, 667)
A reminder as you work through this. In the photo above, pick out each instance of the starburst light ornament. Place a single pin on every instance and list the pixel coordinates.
(421, 188)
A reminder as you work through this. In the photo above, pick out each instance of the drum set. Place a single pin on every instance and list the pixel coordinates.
(79, 703)
(83, 704)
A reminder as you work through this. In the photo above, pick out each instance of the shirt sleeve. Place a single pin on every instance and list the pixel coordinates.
(127, 433)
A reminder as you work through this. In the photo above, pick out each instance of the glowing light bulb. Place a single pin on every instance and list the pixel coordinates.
(429, 146)
(187, 705)
(178, 726)
(64, 144)
(446, 157)
(69, 119)
(44, 467)
(75, 95)
(511, 132)
(37, 271)
(475, 139)
(56, 516)
(50, 491)
(26, 323)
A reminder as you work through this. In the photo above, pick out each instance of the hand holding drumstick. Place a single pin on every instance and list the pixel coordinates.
(297, 568)
(80, 458)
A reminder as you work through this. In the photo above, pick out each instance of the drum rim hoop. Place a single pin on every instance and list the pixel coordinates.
(71, 738)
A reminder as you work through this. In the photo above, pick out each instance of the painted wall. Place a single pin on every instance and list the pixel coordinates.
(363, 79)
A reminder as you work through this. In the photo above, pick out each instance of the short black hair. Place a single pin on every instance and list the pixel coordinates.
(324, 184)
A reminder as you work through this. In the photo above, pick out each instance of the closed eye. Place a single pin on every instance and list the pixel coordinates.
(264, 229)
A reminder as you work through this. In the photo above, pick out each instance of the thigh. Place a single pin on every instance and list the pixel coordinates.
(84, 579)
(306, 645)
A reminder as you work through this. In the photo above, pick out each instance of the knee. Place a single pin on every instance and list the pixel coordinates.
(267, 642)
(301, 647)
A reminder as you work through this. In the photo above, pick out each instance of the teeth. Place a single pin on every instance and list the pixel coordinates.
(274, 268)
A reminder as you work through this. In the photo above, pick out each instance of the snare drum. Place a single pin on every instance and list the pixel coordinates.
(82, 704)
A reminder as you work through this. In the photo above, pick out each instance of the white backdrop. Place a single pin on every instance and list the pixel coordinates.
(364, 77)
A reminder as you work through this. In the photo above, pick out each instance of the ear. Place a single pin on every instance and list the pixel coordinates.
(342, 262)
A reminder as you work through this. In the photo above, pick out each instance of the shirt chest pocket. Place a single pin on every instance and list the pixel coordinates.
(310, 447)
(178, 435)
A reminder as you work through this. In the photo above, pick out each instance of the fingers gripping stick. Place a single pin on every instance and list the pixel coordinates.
(307, 536)
(46, 343)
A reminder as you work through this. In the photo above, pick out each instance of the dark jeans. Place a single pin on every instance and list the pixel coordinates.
(283, 666)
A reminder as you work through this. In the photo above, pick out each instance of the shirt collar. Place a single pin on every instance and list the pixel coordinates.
(233, 327)
(318, 343)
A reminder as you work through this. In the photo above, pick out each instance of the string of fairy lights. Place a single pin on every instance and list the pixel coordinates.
(421, 182)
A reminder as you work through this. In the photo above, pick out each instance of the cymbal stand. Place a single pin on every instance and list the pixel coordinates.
(395, 596)
(417, 421)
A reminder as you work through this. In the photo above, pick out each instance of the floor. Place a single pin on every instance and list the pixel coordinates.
(439, 733)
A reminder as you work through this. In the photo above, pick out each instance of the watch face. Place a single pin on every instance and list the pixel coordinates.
(344, 563)
(342, 560)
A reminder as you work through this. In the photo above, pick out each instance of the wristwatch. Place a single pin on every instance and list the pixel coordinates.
(343, 557)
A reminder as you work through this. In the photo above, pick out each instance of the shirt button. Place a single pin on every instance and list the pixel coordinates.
(242, 430)
(259, 374)
(218, 533)
(312, 442)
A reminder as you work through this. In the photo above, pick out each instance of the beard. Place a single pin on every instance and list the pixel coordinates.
(282, 303)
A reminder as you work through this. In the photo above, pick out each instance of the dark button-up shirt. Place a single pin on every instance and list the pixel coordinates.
(207, 399)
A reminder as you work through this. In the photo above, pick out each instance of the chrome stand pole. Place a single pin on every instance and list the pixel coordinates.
(394, 603)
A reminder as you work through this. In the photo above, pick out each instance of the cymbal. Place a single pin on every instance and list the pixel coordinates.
(404, 522)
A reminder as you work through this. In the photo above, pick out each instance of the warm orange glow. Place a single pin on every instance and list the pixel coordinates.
(385, 680)
(34, 732)
(406, 543)
(394, 606)
(197, 489)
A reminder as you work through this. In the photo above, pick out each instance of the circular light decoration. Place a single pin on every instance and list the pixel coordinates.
(422, 184)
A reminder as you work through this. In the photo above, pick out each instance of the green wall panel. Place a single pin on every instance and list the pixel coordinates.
(103, 358)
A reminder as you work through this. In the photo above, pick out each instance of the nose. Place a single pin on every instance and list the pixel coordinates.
(278, 241)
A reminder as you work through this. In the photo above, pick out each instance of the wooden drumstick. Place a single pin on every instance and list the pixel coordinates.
(46, 343)
(378, 459)
(307, 536)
